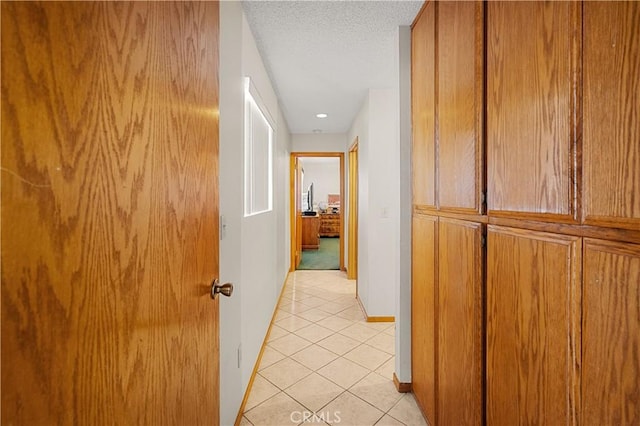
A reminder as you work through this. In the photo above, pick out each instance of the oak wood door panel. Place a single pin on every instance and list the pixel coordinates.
(611, 159)
(533, 327)
(460, 63)
(109, 212)
(611, 333)
(532, 85)
(423, 107)
(423, 313)
(460, 322)
(298, 218)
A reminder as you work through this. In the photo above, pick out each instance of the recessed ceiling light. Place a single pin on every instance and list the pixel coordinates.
(321, 115)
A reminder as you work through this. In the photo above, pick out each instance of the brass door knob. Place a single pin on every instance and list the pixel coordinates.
(225, 289)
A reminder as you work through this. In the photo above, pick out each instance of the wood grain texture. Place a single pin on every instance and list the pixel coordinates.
(623, 235)
(532, 80)
(611, 158)
(423, 314)
(533, 327)
(109, 212)
(310, 232)
(352, 262)
(460, 323)
(460, 63)
(611, 334)
(423, 107)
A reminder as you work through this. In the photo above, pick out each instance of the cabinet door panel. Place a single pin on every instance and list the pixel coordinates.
(460, 320)
(423, 343)
(611, 333)
(612, 114)
(423, 107)
(533, 300)
(531, 86)
(459, 110)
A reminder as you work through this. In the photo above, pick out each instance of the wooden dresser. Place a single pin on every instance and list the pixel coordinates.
(329, 224)
(310, 229)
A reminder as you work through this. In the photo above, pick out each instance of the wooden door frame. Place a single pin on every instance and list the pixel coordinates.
(292, 206)
(352, 249)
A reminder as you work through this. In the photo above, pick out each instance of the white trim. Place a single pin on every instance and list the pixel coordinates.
(251, 88)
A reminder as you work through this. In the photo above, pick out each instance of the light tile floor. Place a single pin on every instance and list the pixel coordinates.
(325, 364)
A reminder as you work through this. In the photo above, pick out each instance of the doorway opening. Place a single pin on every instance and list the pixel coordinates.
(317, 210)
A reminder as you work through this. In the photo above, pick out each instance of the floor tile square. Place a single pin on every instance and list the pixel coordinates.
(276, 333)
(351, 410)
(407, 411)
(367, 356)
(292, 323)
(289, 344)
(269, 357)
(314, 357)
(338, 343)
(332, 308)
(261, 390)
(351, 314)
(285, 373)
(388, 368)
(313, 301)
(314, 392)
(359, 332)
(343, 372)
(314, 333)
(335, 323)
(377, 390)
(282, 314)
(314, 314)
(295, 307)
(276, 411)
(384, 342)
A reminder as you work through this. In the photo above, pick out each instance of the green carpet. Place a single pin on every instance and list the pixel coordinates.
(326, 257)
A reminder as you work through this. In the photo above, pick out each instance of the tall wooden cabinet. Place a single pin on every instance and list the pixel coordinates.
(448, 158)
(526, 212)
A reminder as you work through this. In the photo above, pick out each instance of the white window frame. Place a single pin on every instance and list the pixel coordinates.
(253, 104)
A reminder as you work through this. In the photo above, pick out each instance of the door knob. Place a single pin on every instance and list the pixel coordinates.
(225, 289)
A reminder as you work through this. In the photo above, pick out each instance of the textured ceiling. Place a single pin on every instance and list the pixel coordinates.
(323, 56)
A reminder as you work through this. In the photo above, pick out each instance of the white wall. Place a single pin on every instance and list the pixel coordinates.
(325, 176)
(319, 142)
(376, 127)
(254, 251)
(231, 208)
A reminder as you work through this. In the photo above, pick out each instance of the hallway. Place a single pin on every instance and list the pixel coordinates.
(322, 357)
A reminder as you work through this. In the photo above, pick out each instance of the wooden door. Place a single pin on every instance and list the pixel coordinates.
(298, 211)
(423, 313)
(352, 262)
(532, 128)
(460, 322)
(611, 333)
(109, 212)
(533, 327)
(460, 63)
(612, 114)
(423, 107)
